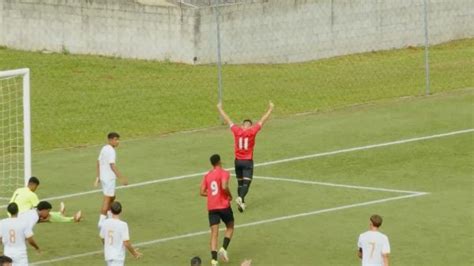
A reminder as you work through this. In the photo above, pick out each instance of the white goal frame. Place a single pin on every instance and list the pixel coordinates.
(25, 74)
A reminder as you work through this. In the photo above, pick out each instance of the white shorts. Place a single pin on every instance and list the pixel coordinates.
(108, 187)
(115, 262)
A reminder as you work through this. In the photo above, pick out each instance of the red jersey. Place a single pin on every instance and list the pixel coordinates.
(244, 141)
(217, 199)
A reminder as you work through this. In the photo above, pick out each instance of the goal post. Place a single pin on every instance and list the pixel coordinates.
(15, 130)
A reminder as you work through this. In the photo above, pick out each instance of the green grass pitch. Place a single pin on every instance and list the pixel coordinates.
(432, 229)
(365, 99)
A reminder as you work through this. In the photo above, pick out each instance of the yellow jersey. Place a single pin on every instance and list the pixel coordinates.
(25, 199)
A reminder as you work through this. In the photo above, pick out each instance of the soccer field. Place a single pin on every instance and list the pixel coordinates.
(301, 210)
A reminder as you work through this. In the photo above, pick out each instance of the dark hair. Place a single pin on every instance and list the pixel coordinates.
(196, 261)
(5, 259)
(34, 180)
(113, 135)
(116, 207)
(44, 205)
(249, 121)
(215, 159)
(12, 208)
(376, 220)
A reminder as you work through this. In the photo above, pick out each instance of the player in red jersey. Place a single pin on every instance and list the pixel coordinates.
(244, 143)
(215, 186)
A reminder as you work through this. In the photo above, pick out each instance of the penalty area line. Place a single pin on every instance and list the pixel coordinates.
(310, 156)
(250, 224)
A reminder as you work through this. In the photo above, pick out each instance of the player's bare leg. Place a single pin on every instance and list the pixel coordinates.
(227, 237)
(105, 208)
(106, 204)
(60, 217)
(214, 239)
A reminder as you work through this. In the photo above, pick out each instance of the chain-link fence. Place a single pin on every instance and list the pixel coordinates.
(304, 55)
(311, 55)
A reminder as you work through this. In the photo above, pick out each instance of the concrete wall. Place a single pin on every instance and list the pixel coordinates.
(275, 31)
(108, 27)
(300, 30)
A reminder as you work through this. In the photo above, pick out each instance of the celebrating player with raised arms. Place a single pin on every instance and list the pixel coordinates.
(215, 186)
(244, 143)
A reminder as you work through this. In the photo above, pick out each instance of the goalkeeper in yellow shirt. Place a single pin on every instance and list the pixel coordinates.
(26, 199)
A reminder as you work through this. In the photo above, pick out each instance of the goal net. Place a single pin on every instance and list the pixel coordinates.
(15, 139)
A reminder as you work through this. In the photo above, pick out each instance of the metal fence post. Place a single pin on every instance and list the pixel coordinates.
(427, 43)
(219, 59)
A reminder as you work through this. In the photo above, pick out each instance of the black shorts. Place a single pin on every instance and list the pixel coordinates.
(244, 168)
(226, 215)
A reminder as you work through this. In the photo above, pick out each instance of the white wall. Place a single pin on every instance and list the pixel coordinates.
(276, 31)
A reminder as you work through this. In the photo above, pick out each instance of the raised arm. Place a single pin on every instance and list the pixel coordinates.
(223, 114)
(267, 114)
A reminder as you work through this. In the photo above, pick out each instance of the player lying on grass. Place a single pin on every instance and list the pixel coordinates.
(26, 199)
(107, 173)
(374, 247)
(115, 238)
(215, 186)
(244, 143)
(13, 233)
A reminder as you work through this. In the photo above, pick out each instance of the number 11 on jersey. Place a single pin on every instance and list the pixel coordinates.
(243, 143)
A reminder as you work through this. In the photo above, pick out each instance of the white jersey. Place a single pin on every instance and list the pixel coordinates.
(30, 217)
(114, 232)
(106, 157)
(14, 232)
(373, 245)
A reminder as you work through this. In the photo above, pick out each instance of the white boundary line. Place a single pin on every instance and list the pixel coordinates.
(266, 221)
(338, 185)
(310, 156)
(397, 142)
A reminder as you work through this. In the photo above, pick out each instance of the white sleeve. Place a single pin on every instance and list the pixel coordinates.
(100, 154)
(111, 156)
(359, 242)
(28, 231)
(102, 232)
(385, 246)
(125, 236)
(1, 229)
